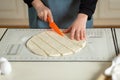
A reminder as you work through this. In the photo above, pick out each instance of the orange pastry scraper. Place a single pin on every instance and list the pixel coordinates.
(54, 27)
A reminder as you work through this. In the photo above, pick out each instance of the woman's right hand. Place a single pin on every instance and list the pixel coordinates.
(42, 11)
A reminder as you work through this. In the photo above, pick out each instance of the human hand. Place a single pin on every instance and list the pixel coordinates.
(78, 28)
(42, 11)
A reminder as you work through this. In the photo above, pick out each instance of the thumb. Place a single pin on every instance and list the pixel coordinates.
(67, 30)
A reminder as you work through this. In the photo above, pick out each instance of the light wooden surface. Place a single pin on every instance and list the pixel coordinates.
(104, 77)
(21, 26)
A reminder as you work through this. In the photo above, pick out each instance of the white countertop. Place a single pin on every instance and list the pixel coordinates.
(56, 70)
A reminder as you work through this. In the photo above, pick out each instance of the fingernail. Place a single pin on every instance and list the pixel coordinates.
(78, 39)
(72, 38)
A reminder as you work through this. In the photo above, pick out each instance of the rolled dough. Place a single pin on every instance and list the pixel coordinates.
(49, 43)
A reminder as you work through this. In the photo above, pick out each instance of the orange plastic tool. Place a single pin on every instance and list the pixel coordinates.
(54, 27)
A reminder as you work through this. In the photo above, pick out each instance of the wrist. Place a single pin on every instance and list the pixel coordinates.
(37, 3)
(82, 19)
(82, 16)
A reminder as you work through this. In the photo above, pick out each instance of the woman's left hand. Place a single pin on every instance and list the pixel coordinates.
(78, 28)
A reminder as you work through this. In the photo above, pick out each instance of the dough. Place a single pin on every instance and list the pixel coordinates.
(49, 43)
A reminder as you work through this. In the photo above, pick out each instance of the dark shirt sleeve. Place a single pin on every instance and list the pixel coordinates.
(28, 2)
(88, 7)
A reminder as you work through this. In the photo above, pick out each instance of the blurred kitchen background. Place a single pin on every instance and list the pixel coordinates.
(13, 13)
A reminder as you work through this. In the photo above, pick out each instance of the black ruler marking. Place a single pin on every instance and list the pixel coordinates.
(115, 40)
(3, 34)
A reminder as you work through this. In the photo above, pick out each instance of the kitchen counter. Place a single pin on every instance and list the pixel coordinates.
(56, 70)
(29, 67)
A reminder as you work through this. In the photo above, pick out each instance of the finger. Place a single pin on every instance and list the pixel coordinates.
(50, 15)
(41, 15)
(45, 16)
(72, 33)
(81, 35)
(84, 34)
(77, 35)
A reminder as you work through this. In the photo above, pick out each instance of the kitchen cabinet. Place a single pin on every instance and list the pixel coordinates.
(107, 13)
(13, 12)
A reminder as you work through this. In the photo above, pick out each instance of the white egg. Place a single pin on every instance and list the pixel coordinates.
(2, 59)
(114, 69)
(108, 71)
(5, 66)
